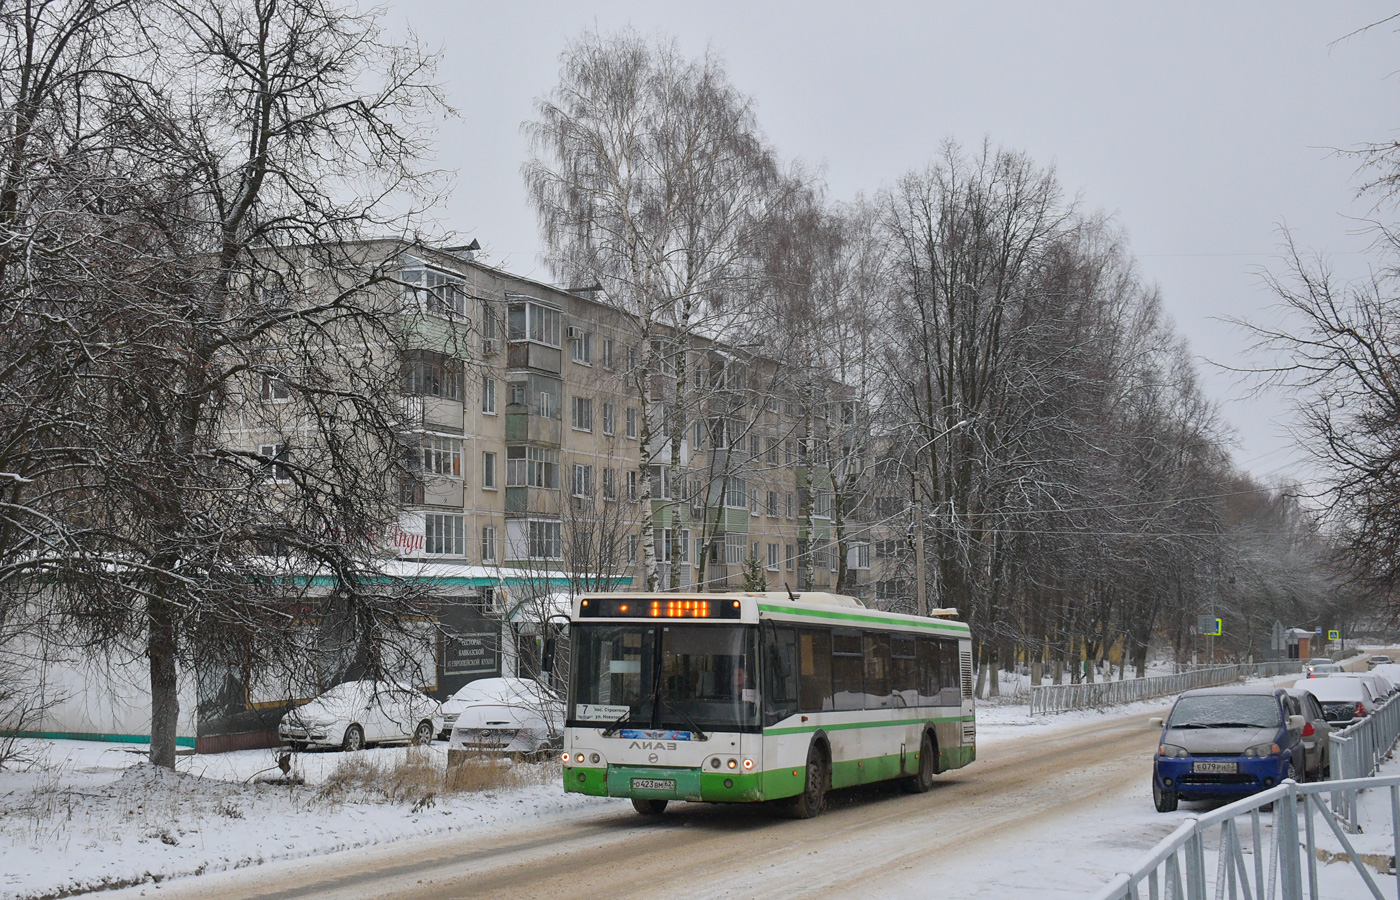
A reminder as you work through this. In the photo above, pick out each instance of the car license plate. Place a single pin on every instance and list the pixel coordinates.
(1219, 768)
(653, 784)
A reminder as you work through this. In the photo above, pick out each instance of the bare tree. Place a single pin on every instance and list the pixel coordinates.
(239, 432)
(651, 180)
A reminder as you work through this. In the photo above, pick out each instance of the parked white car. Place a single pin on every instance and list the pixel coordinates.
(354, 714)
(503, 715)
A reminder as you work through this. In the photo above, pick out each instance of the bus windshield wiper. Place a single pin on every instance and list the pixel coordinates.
(621, 720)
(694, 729)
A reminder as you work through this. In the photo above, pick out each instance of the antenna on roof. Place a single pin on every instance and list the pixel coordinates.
(791, 595)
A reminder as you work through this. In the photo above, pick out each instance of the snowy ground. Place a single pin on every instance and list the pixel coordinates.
(84, 816)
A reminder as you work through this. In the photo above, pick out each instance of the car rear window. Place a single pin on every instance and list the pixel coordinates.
(1225, 711)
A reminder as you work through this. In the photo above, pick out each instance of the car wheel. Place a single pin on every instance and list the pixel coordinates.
(810, 802)
(648, 807)
(922, 781)
(423, 734)
(354, 739)
(1164, 800)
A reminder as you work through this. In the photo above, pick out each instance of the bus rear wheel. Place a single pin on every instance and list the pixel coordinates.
(809, 803)
(922, 781)
(648, 807)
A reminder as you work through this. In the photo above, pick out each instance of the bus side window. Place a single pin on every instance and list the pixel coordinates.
(877, 670)
(929, 671)
(814, 671)
(780, 674)
(904, 671)
(847, 665)
(951, 677)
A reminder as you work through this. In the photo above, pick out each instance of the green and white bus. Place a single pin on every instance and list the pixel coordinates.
(748, 697)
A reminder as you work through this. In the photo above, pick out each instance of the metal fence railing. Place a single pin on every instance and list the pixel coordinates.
(1225, 853)
(1054, 698)
(1357, 751)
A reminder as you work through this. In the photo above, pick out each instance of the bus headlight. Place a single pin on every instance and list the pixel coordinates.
(748, 764)
(566, 759)
(733, 764)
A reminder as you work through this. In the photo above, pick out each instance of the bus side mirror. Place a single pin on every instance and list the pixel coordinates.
(547, 656)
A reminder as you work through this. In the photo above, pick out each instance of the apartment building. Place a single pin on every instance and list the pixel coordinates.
(528, 410)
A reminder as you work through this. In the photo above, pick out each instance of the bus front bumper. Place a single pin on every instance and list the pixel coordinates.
(663, 783)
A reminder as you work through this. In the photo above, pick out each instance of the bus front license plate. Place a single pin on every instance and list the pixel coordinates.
(1219, 768)
(653, 784)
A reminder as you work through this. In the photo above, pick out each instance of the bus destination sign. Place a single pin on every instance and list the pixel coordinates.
(657, 608)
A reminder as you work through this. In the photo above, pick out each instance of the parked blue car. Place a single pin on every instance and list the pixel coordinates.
(1227, 742)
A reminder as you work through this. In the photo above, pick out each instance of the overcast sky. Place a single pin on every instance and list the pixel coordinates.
(1202, 127)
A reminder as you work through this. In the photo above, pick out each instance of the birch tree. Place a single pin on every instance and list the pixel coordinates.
(651, 180)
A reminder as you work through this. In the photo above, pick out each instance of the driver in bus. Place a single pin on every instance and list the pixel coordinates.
(743, 690)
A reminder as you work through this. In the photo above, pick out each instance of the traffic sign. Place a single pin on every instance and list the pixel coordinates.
(1333, 634)
(1208, 625)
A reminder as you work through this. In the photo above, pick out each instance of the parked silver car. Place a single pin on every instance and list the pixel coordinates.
(503, 715)
(1344, 700)
(354, 714)
(1317, 732)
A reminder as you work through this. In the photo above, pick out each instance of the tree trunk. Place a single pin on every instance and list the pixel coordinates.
(165, 689)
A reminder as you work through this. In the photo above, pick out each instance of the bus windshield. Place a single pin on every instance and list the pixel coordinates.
(680, 677)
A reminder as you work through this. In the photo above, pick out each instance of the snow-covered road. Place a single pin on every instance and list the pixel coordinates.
(1052, 808)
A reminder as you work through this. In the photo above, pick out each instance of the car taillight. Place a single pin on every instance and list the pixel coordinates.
(1360, 709)
(1308, 730)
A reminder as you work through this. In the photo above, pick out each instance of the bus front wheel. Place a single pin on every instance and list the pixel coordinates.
(809, 803)
(648, 807)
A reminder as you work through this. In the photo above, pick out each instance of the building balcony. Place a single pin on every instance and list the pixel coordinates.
(522, 427)
(529, 355)
(528, 501)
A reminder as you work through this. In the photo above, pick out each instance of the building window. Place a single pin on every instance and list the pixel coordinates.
(609, 418)
(736, 494)
(632, 548)
(821, 505)
(754, 450)
(488, 543)
(787, 453)
(632, 494)
(583, 480)
(274, 466)
(660, 483)
(488, 396)
(436, 292)
(789, 504)
(488, 470)
(771, 507)
(735, 546)
(685, 546)
(771, 454)
(772, 557)
(661, 544)
(697, 436)
(887, 549)
(790, 553)
(546, 540)
(631, 358)
(582, 414)
(609, 484)
(437, 455)
(536, 467)
(428, 374)
(580, 346)
(444, 535)
(632, 422)
(534, 322)
(607, 353)
(274, 389)
(858, 556)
